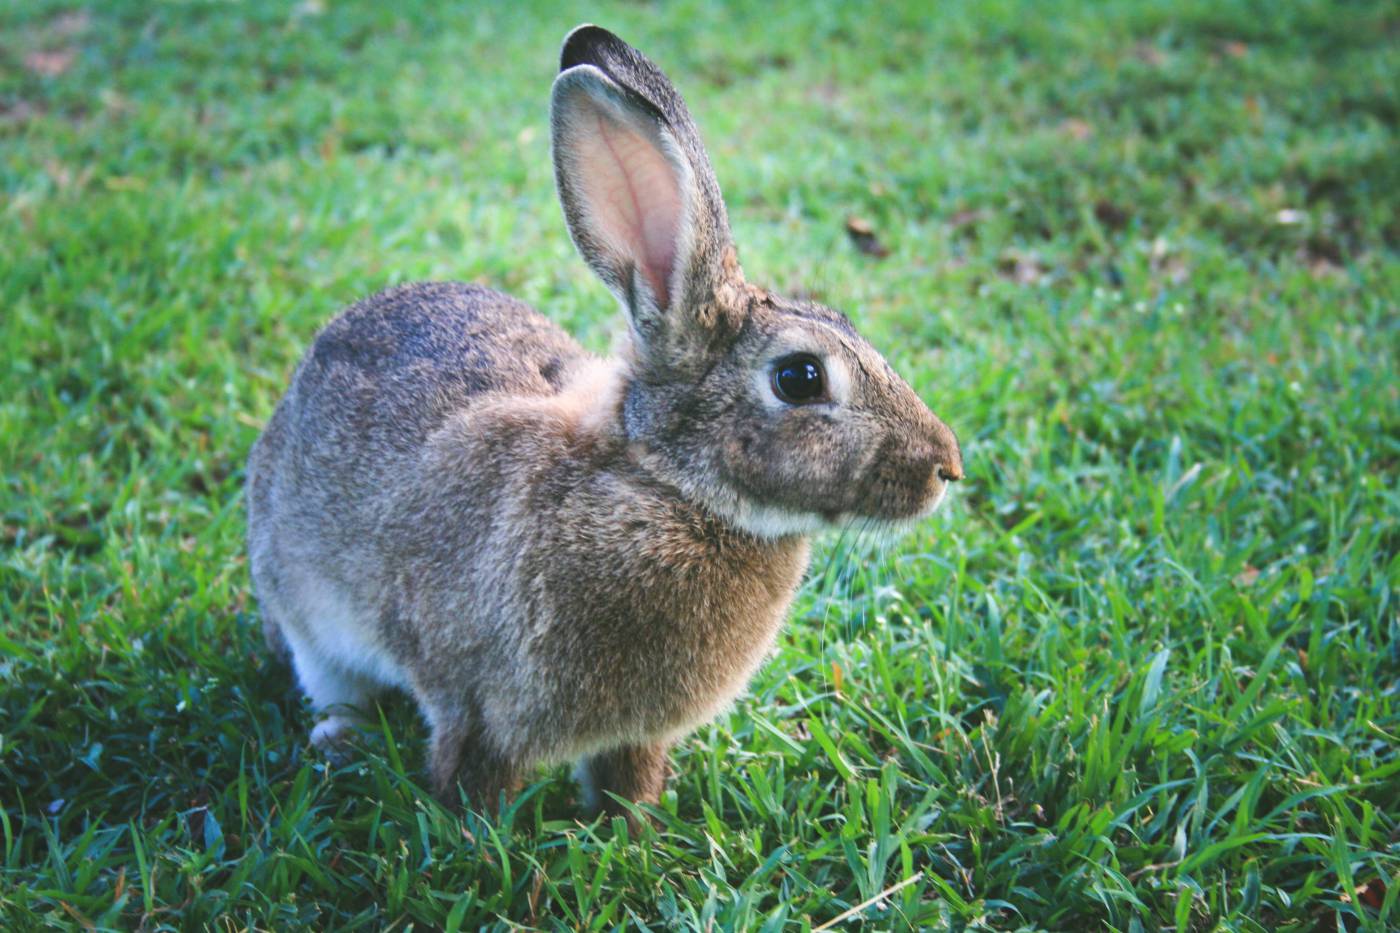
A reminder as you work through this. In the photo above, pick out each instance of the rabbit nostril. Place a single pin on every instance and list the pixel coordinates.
(949, 474)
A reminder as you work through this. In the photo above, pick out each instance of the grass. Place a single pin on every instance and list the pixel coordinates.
(1142, 673)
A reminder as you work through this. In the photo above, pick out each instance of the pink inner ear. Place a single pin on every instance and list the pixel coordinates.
(633, 195)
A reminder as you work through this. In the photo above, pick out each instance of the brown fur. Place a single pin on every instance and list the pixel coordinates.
(562, 557)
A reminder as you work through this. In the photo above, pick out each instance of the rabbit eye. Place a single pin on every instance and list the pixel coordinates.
(798, 379)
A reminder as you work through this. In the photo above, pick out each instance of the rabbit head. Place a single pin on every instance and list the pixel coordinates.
(772, 412)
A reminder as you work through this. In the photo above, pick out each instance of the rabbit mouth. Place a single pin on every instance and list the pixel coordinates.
(886, 524)
(896, 507)
(934, 501)
(903, 522)
(774, 521)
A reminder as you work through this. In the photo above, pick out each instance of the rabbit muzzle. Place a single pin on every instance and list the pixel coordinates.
(910, 474)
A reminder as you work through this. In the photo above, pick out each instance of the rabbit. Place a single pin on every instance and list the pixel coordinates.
(562, 557)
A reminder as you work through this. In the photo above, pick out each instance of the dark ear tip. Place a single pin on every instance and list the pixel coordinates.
(584, 45)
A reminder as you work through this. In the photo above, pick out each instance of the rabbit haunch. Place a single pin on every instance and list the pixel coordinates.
(562, 557)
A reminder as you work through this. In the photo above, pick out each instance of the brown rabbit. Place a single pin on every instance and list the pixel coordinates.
(563, 557)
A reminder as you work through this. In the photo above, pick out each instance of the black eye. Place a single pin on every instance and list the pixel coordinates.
(798, 379)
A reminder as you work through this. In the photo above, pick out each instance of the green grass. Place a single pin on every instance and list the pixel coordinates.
(1142, 673)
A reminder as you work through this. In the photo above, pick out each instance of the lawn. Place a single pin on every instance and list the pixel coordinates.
(1142, 672)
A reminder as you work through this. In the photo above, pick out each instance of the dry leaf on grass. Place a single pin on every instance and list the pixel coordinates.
(1372, 893)
(863, 236)
(1149, 54)
(1077, 129)
(1110, 214)
(965, 219)
(50, 64)
(1247, 576)
(1021, 268)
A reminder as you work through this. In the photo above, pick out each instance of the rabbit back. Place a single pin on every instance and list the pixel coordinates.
(377, 382)
(387, 371)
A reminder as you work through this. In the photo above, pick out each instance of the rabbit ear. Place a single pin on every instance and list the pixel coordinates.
(638, 192)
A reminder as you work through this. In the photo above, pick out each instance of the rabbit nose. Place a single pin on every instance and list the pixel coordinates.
(947, 453)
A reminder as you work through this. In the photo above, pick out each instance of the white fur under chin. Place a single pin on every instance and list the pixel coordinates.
(765, 521)
(769, 522)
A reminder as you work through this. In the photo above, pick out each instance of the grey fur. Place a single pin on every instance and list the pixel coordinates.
(559, 556)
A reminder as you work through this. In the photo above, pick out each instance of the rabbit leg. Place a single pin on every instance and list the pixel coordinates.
(632, 772)
(333, 690)
(460, 755)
